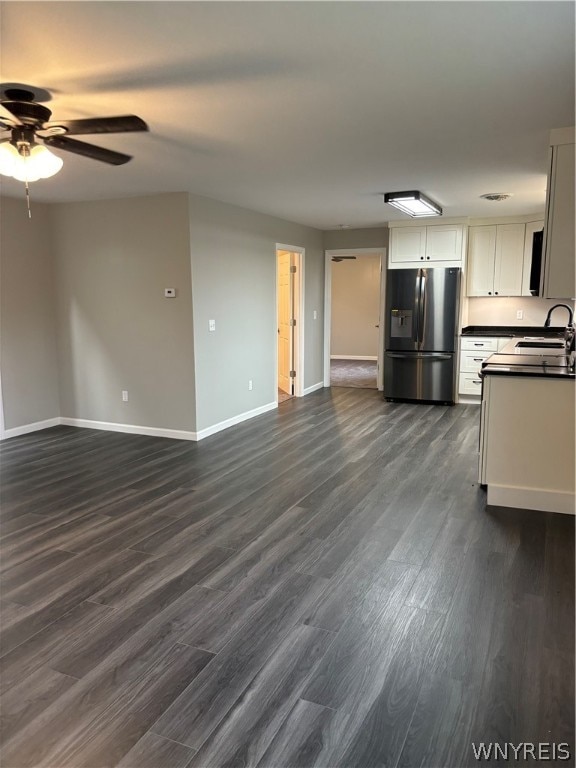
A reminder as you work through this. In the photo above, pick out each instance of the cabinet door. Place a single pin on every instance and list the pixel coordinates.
(444, 243)
(407, 244)
(481, 256)
(509, 259)
(559, 270)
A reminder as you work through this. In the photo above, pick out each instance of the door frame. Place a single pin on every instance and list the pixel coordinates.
(328, 306)
(298, 349)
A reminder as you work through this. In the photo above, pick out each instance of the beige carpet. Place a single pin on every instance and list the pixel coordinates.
(353, 373)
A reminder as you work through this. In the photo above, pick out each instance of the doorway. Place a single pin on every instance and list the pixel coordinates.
(354, 302)
(289, 321)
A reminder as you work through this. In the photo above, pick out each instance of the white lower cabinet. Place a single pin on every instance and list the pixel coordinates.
(517, 463)
(473, 351)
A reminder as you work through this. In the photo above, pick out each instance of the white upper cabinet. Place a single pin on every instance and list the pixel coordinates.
(559, 275)
(433, 245)
(407, 244)
(495, 260)
(444, 243)
(509, 259)
(481, 256)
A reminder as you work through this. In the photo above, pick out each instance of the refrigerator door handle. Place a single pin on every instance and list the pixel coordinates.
(416, 356)
(417, 288)
(422, 308)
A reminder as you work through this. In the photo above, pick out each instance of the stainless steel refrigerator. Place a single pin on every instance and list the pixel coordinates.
(421, 328)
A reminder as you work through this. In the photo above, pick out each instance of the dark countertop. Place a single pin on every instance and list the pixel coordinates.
(512, 330)
(537, 366)
(528, 371)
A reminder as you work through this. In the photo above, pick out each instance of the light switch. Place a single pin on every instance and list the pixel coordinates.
(211, 325)
(169, 293)
(315, 315)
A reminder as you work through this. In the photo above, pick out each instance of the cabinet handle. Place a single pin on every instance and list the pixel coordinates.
(479, 359)
(476, 382)
(421, 258)
(489, 293)
(495, 293)
(478, 344)
(428, 257)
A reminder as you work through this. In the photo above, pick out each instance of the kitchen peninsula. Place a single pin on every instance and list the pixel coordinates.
(527, 432)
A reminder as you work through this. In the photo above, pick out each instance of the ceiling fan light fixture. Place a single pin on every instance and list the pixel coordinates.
(27, 163)
(8, 158)
(414, 203)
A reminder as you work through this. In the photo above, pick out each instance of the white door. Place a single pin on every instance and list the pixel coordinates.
(284, 322)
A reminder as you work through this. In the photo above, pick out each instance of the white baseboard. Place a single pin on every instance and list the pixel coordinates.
(353, 357)
(235, 420)
(468, 400)
(532, 498)
(131, 429)
(314, 388)
(34, 427)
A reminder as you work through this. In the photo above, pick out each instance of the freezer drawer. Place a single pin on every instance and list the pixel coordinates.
(419, 376)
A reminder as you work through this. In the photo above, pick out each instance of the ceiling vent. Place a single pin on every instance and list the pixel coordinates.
(496, 197)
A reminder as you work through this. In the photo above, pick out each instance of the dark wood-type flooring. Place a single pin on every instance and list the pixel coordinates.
(319, 586)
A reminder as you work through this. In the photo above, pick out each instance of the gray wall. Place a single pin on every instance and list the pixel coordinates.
(356, 238)
(234, 282)
(27, 315)
(355, 307)
(116, 330)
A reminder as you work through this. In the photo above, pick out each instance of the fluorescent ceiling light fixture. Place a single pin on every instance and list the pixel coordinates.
(413, 203)
(28, 163)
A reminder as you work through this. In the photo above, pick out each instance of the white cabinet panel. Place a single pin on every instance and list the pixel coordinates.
(475, 343)
(471, 362)
(481, 256)
(407, 244)
(440, 245)
(509, 259)
(473, 351)
(495, 260)
(559, 274)
(444, 243)
(469, 384)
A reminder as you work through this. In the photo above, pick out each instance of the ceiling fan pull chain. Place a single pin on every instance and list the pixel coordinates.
(28, 199)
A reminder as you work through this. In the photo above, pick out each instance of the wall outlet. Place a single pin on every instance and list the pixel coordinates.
(519, 314)
(124, 395)
(211, 325)
(250, 384)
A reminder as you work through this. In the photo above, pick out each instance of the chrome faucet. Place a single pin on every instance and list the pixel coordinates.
(548, 316)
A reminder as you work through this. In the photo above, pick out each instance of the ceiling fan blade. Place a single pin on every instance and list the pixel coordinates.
(87, 150)
(120, 124)
(7, 118)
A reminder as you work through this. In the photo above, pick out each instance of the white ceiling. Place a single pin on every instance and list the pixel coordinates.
(305, 110)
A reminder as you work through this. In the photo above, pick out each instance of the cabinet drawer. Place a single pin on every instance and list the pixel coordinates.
(469, 384)
(471, 362)
(477, 343)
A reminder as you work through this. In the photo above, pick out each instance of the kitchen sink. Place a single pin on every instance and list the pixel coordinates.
(541, 344)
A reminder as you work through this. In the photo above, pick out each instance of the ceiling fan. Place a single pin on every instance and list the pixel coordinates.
(24, 158)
